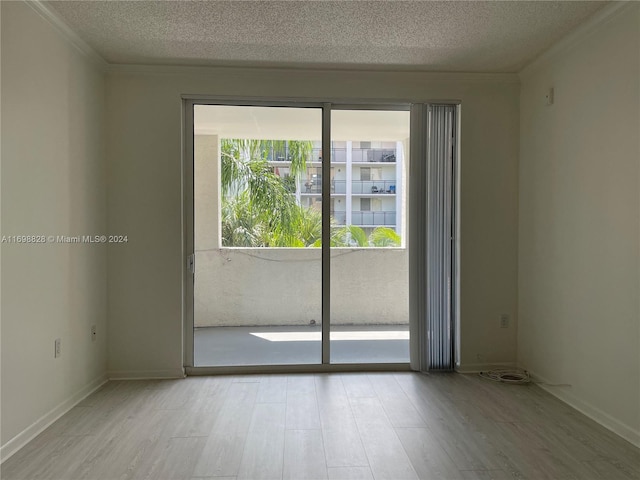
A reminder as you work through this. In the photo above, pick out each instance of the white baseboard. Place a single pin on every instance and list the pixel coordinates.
(36, 428)
(145, 374)
(482, 367)
(594, 413)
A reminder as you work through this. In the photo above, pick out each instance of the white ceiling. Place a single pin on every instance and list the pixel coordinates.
(453, 36)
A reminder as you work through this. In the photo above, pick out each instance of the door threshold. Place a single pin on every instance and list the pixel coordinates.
(311, 368)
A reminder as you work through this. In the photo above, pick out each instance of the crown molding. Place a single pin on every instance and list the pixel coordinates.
(591, 26)
(67, 32)
(431, 76)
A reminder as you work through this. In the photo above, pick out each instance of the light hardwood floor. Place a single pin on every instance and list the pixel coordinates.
(325, 426)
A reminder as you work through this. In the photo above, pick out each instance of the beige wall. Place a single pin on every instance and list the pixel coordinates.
(53, 182)
(579, 245)
(283, 286)
(144, 140)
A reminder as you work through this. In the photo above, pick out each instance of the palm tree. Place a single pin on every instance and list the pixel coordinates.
(385, 237)
(305, 231)
(354, 236)
(241, 223)
(252, 194)
(349, 236)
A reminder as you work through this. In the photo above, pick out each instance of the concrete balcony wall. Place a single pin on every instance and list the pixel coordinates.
(282, 286)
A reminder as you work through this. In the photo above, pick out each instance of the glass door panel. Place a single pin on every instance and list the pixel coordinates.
(369, 256)
(257, 235)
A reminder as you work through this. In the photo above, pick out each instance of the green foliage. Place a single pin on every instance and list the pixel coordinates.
(385, 237)
(259, 208)
(349, 236)
(354, 236)
(241, 223)
(290, 183)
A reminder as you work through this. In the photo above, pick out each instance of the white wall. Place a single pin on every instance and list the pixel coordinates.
(53, 182)
(144, 140)
(579, 249)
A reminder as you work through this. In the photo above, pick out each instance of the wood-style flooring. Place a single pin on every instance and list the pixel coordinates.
(324, 426)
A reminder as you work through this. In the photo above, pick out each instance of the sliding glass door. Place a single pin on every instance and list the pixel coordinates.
(369, 256)
(298, 226)
(257, 232)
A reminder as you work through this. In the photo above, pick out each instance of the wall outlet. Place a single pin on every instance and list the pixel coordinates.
(93, 333)
(504, 320)
(57, 348)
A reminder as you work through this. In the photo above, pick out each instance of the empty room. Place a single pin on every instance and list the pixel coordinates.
(320, 240)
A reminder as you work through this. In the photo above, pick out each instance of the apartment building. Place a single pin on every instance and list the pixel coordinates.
(366, 183)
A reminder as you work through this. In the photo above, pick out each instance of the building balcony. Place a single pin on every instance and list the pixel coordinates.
(373, 187)
(312, 188)
(338, 187)
(358, 187)
(339, 217)
(283, 287)
(373, 155)
(373, 219)
(338, 155)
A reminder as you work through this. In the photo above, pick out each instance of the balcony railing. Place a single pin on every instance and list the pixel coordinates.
(365, 155)
(358, 187)
(366, 187)
(340, 217)
(373, 218)
(312, 187)
(338, 155)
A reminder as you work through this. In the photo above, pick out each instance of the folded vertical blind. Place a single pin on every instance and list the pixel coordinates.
(441, 221)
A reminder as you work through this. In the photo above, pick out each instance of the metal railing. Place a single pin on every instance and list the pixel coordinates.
(358, 187)
(365, 187)
(311, 187)
(339, 217)
(367, 155)
(373, 218)
(338, 155)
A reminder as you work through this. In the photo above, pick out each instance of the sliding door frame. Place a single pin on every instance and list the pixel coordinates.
(416, 243)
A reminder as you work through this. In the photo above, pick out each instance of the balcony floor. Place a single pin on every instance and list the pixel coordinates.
(225, 346)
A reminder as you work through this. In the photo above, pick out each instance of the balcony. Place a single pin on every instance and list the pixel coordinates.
(375, 187)
(275, 345)
(376, 219)
(339, 217)
(282, 287)
(312, 188)
(373, 155)
(264, 306)
(338, 155)
(359, 187)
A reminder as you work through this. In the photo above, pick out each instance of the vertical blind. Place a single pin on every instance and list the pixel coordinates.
(441, 221)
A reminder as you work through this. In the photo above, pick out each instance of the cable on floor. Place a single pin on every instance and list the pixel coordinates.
(507, 375)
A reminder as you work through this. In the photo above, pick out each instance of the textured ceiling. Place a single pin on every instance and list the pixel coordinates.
(476, 36)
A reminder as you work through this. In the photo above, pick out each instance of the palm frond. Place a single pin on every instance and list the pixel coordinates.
(385, 237)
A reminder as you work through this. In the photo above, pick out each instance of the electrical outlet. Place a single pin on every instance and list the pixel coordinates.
(57, 348)
(504, 320)
(93, 333)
